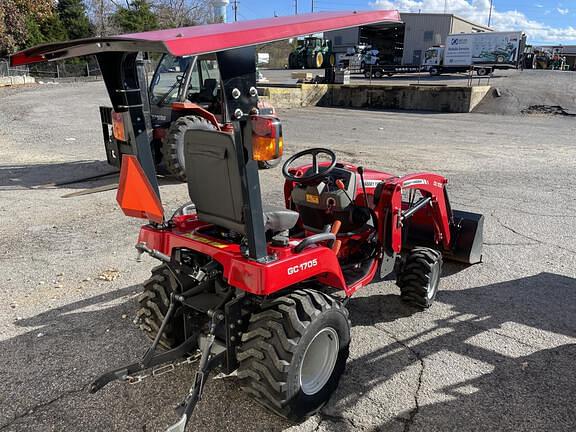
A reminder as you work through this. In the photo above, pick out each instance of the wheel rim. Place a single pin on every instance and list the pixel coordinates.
(434, 280)
(319, 59)
(319, 361)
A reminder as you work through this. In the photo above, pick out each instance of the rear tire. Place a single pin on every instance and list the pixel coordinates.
(293, 61)
(154, 303)
(294, 352)
(419, 277)
(173, 147)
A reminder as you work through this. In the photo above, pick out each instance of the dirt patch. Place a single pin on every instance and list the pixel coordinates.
(531, 92)
(547, 110)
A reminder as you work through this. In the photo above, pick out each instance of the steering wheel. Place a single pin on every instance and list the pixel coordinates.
(318, 172)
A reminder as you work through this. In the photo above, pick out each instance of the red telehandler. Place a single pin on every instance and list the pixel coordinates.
(265, 292)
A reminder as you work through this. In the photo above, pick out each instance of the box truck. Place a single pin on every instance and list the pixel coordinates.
(482, 52)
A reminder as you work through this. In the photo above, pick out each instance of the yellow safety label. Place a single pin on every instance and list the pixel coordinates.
(206, 241)
(314, 199)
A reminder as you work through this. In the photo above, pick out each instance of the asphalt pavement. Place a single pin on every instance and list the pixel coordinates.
(496, 351)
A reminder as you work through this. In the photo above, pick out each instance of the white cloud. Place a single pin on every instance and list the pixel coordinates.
(563, 11)
(478, 10)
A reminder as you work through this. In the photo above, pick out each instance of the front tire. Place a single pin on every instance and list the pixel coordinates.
(173, 147)
(419, 276)
(294, 353)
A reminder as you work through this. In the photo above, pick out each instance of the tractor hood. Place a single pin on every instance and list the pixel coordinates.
(209, 38)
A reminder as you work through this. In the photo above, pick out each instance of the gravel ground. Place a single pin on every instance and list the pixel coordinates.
(496, 352)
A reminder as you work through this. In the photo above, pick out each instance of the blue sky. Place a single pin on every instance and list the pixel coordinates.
(545, 21)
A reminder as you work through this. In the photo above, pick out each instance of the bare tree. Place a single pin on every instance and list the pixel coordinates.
(181, 13)
(100, 13)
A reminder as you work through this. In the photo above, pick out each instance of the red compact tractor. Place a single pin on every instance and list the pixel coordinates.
(264, 292)
(185, 93)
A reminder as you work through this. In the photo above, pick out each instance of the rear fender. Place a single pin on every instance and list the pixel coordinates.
(187, 108)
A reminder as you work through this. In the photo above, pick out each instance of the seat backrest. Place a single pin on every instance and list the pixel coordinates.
(214, 178)
(208, 91)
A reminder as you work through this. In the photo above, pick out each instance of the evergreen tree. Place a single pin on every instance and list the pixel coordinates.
(137, 17)
(49, 29)
(73, 16)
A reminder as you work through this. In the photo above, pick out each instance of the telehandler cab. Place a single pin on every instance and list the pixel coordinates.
(256, 290)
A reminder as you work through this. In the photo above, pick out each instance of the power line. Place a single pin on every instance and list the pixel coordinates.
(490, 14)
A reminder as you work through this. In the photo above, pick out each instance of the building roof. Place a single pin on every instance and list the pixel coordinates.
(210, 38)
(456, 17)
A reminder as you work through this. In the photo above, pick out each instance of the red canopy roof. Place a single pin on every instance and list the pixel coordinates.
(208, 38)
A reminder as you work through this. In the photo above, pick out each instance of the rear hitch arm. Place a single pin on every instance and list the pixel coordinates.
(207, 363)
(150, 359)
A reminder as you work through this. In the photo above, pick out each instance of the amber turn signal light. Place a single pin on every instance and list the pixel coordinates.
(118, 126)
(267, 141)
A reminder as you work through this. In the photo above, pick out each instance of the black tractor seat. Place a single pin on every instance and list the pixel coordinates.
(214, 184)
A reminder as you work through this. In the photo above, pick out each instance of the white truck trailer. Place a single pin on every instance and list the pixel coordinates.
(482, 52)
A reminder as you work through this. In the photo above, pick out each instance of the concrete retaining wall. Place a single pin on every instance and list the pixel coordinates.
(416, 98)
(16, 80)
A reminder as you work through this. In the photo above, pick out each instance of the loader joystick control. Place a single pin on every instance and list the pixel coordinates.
(318, 170)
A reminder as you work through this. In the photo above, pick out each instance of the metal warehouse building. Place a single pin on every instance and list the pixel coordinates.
(405, 44)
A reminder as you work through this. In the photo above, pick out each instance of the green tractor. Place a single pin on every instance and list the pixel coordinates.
(312, 53)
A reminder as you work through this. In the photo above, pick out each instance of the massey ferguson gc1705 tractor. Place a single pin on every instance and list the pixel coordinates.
(264, 292)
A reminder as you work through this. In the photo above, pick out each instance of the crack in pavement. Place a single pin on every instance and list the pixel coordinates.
(335, 419)
(414, 412)
(510, 244)
(538, 241)
(514, 209)
(41, 405)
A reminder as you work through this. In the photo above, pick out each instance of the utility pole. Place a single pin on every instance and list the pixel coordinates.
(295, 7)
(235, 4)
(445, 6)
(490, 14)
(312, 6)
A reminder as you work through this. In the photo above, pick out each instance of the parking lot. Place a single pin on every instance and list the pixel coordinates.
(495, 352)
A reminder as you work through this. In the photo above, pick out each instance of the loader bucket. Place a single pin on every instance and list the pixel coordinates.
(467, 237)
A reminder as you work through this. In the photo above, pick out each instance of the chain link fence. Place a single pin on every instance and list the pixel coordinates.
(87, 67)
(74, 68)
(7, 71)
